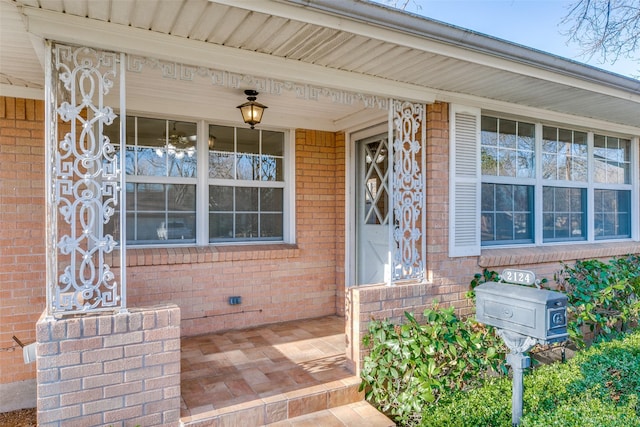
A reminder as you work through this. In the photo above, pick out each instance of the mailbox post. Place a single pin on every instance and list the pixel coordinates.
(524, 317)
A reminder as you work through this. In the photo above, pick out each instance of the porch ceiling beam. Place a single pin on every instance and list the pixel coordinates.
(103, 35)
(380, 23)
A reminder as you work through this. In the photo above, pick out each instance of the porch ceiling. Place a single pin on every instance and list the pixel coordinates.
(349, 45)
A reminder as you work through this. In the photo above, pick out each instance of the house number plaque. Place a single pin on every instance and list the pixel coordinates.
(520, 277)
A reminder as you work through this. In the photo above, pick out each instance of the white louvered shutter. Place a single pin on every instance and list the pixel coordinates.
(464, 182)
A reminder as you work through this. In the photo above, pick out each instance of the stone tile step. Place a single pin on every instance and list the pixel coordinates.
(281, 406)
(358, 414)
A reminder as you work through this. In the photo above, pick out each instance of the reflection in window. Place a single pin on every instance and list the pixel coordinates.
(246, 184)
(564, 154)
(612, 159)
(245, 213)
(157, 213)
(245, 154)
(245, 170)
(612, 214)
(507, 148)
(507, 213)
(564, 213)
(576, 168)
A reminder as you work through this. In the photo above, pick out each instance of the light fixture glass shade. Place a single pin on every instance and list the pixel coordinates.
(251, 110)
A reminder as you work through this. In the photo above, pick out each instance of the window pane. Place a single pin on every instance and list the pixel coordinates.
(271, 168)
(273, 143)
(564, 213)
(150, 132)
(489, 131)
(221, 165)
(248, 141)
(611, 159)
(181, 227)
(489, 161)
(487, 227)
(504, 226)
(248, 167)
(246, 226)
(245, 213)
(246, 199)
(271, 199)
(221, 139)
(159, 213)
(507, 137)
(507, 163)
(271, 225)
(488, 197)
(612, 214)
(512, 219)
(526, 136)
(504, 197)
(220, 226)
(221, 149)
(507, 148)
(151, 161)
(526, 167)
(564, 158)
(181, 197)
(220, 198)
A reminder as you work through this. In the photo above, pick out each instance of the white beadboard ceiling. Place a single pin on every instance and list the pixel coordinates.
(344, 45)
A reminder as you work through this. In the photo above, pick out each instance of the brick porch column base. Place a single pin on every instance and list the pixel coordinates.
(110, 369)
(364, 303)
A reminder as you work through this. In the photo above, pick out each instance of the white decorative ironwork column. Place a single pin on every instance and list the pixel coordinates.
(83, 180)
(407, 241)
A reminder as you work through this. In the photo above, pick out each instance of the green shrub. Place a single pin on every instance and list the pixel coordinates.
(604, 297)
(584, 411)
(598, 387)
(413, 365)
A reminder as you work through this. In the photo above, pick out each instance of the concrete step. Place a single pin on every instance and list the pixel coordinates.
(282, 407)
(358, 414)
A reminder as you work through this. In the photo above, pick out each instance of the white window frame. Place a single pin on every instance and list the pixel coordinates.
(590, 185)
(202, 183)
(468, 248)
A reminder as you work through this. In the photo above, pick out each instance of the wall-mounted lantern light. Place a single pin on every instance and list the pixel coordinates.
(252, 110)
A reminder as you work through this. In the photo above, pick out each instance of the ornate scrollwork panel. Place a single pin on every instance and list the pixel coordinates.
(85, 181)
(408, 191)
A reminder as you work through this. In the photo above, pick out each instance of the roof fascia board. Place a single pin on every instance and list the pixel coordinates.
(12, 91)
(386, 24)
(538, 114)
(108, 36)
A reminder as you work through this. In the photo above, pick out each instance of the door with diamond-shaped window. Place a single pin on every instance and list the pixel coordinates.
(372, 210)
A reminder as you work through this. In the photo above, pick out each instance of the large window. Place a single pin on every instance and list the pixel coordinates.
(508, 170)
(244, 198)
(246, 183)
(546, 184)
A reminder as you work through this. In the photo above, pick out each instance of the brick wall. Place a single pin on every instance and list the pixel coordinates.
(110, 369)
(277, 282)
(22, 260)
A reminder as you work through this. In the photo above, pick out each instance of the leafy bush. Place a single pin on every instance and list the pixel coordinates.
(413, 365)
(604, 297)
(598, 387)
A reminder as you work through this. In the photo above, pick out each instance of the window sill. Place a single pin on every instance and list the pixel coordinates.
(554, 253)
(202, 254)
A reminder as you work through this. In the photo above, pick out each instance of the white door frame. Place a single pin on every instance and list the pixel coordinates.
(351, 240)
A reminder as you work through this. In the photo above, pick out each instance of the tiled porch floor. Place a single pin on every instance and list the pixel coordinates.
(236, 369)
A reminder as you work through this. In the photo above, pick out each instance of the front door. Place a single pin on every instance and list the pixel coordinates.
(372, 210)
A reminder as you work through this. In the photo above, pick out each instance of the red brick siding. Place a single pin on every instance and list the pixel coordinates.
(22, 259)
(110, 368)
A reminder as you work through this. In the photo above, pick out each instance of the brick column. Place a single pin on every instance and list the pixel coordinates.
(110, 369)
